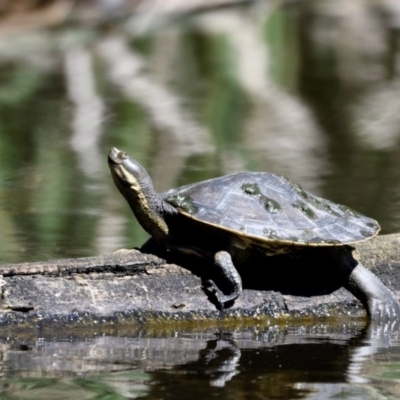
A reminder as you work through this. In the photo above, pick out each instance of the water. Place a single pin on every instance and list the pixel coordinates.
(243, 88)
(315, 361)
(305, 89)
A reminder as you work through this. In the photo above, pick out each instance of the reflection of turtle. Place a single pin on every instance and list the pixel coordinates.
(229, 218)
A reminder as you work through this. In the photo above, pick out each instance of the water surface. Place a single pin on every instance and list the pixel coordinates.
(299, 361)
(308, 89)
(288, 89)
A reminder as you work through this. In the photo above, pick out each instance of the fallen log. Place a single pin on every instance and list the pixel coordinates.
(132, 287)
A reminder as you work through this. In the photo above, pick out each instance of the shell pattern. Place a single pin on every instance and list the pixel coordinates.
(270, 208)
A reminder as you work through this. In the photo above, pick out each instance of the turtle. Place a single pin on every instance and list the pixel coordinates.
(228, 219)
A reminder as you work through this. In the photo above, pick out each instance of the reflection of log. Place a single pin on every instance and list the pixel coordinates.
(128, 286)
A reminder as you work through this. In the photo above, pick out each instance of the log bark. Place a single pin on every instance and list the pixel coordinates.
(131, 287)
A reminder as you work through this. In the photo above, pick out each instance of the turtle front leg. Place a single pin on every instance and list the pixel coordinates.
(226, 269)
(381, 303)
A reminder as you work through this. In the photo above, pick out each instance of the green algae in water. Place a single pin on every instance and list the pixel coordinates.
(184, 202)
(270, 205)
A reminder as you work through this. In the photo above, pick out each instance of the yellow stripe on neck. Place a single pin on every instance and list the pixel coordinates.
(147, 217)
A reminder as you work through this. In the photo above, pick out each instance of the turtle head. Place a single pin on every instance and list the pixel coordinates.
(135, 184)
(126, 172)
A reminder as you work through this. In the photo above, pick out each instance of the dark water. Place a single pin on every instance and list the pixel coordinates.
(316, 361)
(299, 88)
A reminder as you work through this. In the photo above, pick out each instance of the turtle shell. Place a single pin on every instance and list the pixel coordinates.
(270, 208)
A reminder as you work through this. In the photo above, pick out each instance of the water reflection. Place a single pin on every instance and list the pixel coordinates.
(180, 135)
(277, 121)
(193, 92)
(299, 361)
(306, 89)
(87, 112)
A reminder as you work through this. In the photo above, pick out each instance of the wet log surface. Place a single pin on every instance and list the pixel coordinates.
(131, 287)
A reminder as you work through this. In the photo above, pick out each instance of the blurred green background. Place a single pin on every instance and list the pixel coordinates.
(307, 89)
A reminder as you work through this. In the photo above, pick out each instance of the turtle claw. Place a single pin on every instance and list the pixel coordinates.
(381, 303)
(211, 287)
(384, 309)
(223, 300)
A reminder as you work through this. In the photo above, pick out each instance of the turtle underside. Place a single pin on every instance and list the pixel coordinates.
(270, 209)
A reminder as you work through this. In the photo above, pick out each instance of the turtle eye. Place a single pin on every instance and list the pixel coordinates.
(122, 155)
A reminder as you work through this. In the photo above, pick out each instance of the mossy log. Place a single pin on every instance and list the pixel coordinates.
(131, 287)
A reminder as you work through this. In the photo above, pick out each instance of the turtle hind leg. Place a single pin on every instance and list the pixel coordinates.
(381, 303)
(230, 277)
